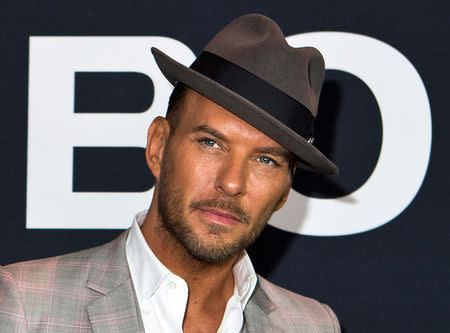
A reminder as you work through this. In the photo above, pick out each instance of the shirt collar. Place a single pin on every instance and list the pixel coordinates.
(244, 278)
(147, 272)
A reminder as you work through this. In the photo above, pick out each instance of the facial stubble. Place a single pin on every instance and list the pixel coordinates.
(172, 213)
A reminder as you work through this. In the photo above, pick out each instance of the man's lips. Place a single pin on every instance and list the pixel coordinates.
(219, 216)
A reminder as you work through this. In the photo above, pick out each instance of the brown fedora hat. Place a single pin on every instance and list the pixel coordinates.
(249, 69)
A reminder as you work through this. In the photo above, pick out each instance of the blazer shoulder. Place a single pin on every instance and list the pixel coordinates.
(54, 292)
(291, 305)
(33, 271)
(69, 267)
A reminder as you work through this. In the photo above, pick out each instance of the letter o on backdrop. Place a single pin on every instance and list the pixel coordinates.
(405, 150)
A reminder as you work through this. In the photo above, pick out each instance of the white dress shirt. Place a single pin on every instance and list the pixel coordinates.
(162, 295)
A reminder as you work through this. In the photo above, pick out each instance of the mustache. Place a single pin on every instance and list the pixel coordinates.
(226, 205)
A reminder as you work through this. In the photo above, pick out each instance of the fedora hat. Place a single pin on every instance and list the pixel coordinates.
(249, 69)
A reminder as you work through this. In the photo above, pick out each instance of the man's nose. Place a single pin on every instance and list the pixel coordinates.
(232, 176)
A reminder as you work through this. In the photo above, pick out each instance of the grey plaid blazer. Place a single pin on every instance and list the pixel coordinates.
(91, 290)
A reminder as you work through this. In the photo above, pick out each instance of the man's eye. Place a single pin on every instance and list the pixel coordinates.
(208, 142)
(266, 160)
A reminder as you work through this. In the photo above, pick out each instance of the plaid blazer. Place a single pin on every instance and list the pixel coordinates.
(92, 290)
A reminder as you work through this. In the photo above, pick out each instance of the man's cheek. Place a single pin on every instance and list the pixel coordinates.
(202, 172)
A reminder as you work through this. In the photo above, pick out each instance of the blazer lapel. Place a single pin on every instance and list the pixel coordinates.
(117, 309)
(256, 313)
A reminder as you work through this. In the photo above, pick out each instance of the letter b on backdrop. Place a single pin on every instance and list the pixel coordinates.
(54, 129)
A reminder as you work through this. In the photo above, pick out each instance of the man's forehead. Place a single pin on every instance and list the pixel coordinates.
(201, 112)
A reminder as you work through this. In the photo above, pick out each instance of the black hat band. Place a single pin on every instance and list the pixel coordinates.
(269, 98)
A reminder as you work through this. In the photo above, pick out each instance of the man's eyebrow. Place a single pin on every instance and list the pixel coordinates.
(211, 131)
(276, 151)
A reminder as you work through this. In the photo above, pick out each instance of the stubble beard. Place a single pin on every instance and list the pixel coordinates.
(173, 220)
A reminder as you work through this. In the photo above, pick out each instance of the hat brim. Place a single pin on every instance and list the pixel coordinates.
(310, 158)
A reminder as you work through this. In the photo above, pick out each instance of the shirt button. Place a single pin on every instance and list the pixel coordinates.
(172, 284)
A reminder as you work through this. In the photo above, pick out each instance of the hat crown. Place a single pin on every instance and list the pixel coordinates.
(256, 43)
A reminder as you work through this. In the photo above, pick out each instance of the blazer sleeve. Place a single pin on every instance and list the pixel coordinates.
(12, 313)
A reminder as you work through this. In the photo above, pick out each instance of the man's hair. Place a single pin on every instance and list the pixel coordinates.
(175, 107)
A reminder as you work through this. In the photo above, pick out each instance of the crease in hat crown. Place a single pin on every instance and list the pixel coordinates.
(257, 47)
(254, 39)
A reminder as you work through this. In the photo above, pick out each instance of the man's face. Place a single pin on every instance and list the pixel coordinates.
(220, 181)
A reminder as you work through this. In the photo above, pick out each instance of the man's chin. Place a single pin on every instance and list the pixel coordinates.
(212, 257)
(211, 249)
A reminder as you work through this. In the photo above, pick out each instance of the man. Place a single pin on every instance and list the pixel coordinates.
(238, 124)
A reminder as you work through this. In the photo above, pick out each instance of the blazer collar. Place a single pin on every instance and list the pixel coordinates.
(257, 312)
(109, 267)
(117, 308)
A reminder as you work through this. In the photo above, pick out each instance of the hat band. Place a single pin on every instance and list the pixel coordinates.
(275, 102)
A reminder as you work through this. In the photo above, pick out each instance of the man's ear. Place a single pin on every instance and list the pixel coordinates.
(286, 193)
(283, 199)
(293, 168)
(157, 136)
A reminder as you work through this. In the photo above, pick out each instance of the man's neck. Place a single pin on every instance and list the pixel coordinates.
(209, 284)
